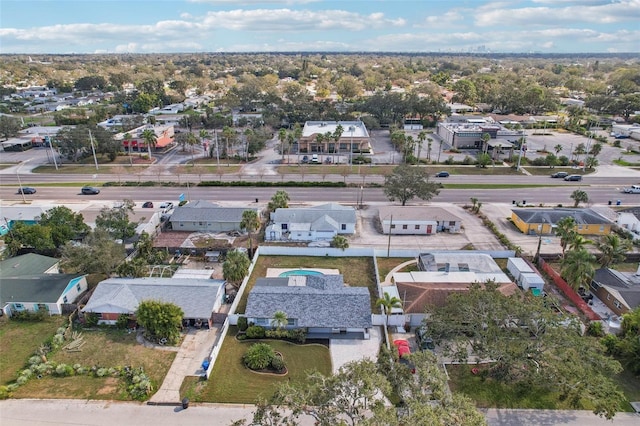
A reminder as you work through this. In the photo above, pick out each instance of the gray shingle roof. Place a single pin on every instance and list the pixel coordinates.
(26, 264)
(553, 216)
(338, 213)
(41, 288)
(323, 302)
(627, 285)
(203, 211)
(196, 297)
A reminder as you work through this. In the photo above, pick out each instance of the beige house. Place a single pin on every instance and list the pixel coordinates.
(417, 220)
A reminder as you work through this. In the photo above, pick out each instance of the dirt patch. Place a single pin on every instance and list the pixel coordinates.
(110, 387)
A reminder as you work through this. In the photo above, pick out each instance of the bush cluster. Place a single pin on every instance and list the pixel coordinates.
(501, 237)
(28, 316)
(289, 183)
(261, 356)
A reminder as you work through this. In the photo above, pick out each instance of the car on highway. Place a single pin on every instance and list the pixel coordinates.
(442, 174)
(26, 190)
(560, 175)
(90, 190)
(633, 189)
(147, 205)
(573, 178)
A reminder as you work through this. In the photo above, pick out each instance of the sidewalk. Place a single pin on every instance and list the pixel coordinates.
(195, 348)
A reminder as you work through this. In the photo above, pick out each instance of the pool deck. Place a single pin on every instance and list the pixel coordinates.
(275, 272)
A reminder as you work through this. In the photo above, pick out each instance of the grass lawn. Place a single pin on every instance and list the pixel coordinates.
(630, 386)
(19, 342)
(386, 265)
(357, 271)
(232, 382)
(104, 348)
(489, 393)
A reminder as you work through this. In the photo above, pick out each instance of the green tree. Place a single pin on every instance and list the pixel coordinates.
(566, 230)
(577, 268)
(557, 149)
(98, 254)
(115, 221)
(258, 356)
(579, 196)
(406, 183)
(388, 302)
(578, 242)
(626, 346)
(23, 236)
(279, 320)
(591, 162)
(340, 241)
(613, 249)
(235, 267)
(251, 222)
(161, 320)
(9, 126)
(65, 225)
(484, 159)
(150, 139)
(280, 200)
(530, 344)
(73, 142)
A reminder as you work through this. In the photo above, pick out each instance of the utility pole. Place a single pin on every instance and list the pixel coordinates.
(93, 150)
(389, 241)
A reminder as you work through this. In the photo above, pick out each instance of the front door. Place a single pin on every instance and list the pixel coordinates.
(429, 228)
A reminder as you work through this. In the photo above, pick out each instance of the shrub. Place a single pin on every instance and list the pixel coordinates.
(4, 392)
(242, 323)
(28, 316)
(258, 356)
(255, 332)
(298, 334)
(91, 319)
(595, 329)
(277, 363)
(64, 370)
(123, 321)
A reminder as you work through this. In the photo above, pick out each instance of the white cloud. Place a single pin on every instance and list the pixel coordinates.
(248, 2)
(449, 18)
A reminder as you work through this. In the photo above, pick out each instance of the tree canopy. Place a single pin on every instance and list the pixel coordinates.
(115, 221)
(406, 183)
(98, 253)
(160, 320)
(529, 343)
(235, 267)
(65, 224)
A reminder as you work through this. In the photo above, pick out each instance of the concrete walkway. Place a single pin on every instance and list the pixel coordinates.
(344, 351)
(195, 348)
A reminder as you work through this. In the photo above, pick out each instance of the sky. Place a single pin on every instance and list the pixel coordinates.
(177, 26)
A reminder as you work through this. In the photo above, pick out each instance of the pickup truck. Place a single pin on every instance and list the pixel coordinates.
(633, 189)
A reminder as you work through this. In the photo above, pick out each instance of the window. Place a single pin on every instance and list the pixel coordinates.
(262, 321)
(579, 227)
(18, 306)
(200, 223)
(405, 226)
(417, 227)
(285, 226)
(343, 226)
(452, 223)
(617, 304)
(78, 287)
(291, 321)
(393, 227)
(608, 296)
(65, 300)
(601, 228)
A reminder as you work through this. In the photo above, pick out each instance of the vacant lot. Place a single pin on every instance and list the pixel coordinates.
(103, 348)
(232, 382)
(19, 341)
(357, 271)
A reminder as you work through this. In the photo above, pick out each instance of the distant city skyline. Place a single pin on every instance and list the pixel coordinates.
(183, 26)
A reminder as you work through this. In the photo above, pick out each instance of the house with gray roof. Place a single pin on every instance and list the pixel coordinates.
(620, 291)
(322, 304)
(316, 223)
(198, 298)
(28, 264)
(204, 216)
(418, 220)
(535, 221)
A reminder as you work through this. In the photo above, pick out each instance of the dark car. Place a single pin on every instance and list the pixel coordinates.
(560, 175)
(573, 178)
(90, 190)
(147, 205)
(442, 174)
(26, 190)
(305, 159)
(423, 340)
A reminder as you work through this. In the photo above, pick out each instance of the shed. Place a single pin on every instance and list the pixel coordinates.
(517, 266)
(531, 281)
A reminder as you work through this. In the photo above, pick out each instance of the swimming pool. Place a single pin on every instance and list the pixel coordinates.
(296, 272)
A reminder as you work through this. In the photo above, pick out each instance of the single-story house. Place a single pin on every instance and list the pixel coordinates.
(544, 221)
(316, 223)
(629, 219)
(322, 304)
(28, 264)
(198, 298)
(48, 292)
(619, 291)
(29, 215)
(417, 220)
(203, 216)
(447, 272)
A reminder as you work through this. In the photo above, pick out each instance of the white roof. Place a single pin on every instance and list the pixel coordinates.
(356, 129)
(450, 277)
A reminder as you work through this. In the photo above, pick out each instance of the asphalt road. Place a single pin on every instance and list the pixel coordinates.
(599, 194)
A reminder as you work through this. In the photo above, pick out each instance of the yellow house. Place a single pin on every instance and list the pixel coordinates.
(544, 221)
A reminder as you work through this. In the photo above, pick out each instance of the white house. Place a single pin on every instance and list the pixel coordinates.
(417, 220)
(316, 223)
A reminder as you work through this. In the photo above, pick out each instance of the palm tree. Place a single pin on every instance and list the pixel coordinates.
(577, 268)
(280, 200)
(595, 149)
(250, 221)
(279, 320)
(203, 136)
(579, 196)
(566, 230)
(388, 302)
(613, 249)
(557, 149)
(578, 242)
(422, 136)
(282, 136)
(150, 138)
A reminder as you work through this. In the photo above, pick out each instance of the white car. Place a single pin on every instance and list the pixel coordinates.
(168, 205)
(633, 189)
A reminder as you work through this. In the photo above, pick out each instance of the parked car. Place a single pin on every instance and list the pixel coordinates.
(560, 175)
(305, 159)
(315, 159)
(423, 340)
(573, 178)
(26, 190)
(147, 205)
(442, 174)
(403, 349)
(90, 190)
(167, 205)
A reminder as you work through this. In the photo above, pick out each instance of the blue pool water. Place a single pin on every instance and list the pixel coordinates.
(295, 272)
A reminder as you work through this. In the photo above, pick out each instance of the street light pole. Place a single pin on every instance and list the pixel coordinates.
(24, 199)
(389, 241)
